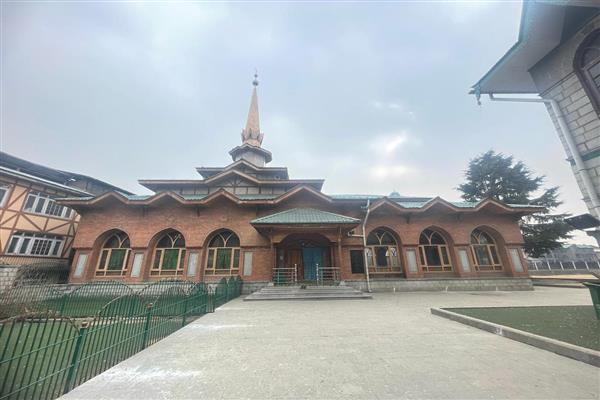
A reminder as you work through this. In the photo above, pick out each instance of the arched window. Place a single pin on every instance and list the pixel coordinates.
(169, 254)
(587, 67)
(223, 254)
(433, 251)
(114, 255)
(382, 252)
(484, 251)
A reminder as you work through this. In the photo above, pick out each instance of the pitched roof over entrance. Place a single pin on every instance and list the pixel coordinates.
(304, 216)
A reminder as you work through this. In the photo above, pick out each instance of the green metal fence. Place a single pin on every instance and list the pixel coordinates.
(65, 342)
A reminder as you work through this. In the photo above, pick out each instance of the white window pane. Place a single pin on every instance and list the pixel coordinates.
(192, 264)
(464, 260)
(79, 268)
(138, 259)
(411, 258)
(247, 263)
(516, 259)
(13, 244)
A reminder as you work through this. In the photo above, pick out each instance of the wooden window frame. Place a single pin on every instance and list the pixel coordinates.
(106, 253)
(48, 206)
(212, 256)
(371, 253)
(582, 71)
(158, 270)
(496, 264)
(35, 245)
(445, 262)
(6, 189)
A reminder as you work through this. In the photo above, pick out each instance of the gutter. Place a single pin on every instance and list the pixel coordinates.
(562, 123)
(364, 237)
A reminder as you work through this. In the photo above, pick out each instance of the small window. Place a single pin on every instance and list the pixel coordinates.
(357, 261)
(41, 203)
(4, 190)
(34, 244)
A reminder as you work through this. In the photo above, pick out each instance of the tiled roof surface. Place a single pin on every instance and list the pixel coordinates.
(257, 196)
(305, 216)
(406, 202)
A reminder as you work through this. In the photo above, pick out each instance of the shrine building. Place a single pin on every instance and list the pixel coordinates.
(252, 220)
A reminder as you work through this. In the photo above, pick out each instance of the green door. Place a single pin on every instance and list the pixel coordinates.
(311, 256)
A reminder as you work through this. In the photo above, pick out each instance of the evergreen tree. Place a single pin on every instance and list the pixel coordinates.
(498, 176)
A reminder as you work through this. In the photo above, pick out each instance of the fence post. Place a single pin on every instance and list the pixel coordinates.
(62, 304)
(72, 374)
(185, 307)
(147, 325)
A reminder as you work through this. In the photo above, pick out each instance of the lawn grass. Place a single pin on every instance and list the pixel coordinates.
(571, 324)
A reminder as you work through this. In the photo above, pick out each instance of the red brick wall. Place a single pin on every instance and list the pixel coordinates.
(198, 223)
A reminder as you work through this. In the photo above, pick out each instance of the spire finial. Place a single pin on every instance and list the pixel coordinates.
(252, 134)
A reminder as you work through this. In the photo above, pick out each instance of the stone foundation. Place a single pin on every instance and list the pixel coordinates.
(8, 273)
(442, 285)
(387, 285)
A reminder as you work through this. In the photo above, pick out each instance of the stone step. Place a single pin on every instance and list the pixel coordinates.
(310, 293)
(264, 297)
(323, 289)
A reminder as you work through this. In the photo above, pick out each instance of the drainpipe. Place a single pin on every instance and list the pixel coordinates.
(364, 237)
(562, 123)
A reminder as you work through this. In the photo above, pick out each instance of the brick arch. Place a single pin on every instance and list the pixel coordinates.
(401, 260)
(212, 234)
(445, 234)
(390, 230)
(206, 250)
(103, 237)
(158, 235)
(493, 232)
(450, 245)
(150, 250)
(498, 241)
(97, 248)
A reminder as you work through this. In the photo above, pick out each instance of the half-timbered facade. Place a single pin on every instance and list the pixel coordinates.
(253, 220)
(34, 227)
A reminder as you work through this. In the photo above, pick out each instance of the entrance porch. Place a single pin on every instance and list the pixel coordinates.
(306, 244)
(306, 258)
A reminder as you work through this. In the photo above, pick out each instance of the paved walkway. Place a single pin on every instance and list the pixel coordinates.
(386, 348)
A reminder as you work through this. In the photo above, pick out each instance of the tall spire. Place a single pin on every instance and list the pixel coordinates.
(251, 134)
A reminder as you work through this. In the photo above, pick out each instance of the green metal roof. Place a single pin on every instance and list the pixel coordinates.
(257, 196)
(305, 216)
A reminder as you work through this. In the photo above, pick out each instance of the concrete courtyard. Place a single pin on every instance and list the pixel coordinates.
(389, 347)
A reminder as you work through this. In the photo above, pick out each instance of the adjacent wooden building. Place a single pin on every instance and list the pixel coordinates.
(34, 228)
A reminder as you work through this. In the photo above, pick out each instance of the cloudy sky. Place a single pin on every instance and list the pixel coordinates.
(371, 97)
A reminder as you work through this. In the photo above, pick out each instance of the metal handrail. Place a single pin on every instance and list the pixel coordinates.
(549, 265)
(327, 274)
(285, 275)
